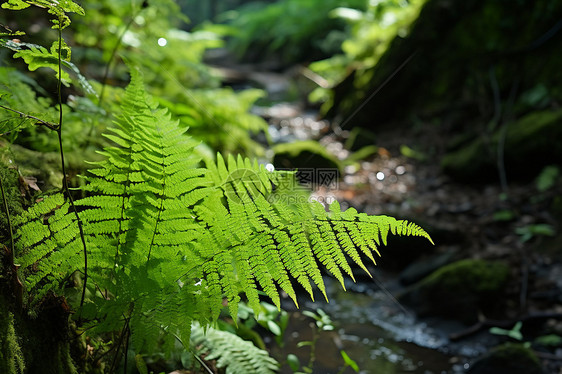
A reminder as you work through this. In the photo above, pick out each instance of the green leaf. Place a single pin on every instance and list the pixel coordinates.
(547, 178)
(56, 8)
(349, 362)
(15, 5)
(141, 364)
(39, 57)
(514, 333)
(274, 328)
(293, 362)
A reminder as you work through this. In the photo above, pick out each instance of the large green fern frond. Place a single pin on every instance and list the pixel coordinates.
(169, 240)
(260, 242)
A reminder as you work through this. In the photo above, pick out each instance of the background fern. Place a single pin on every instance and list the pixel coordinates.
(167, 239)
(232, 352)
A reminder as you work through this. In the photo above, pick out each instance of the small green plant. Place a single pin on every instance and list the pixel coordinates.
(514, 333)
(372, 31)
(547, 178)
(528, 232)
(322, 322)
(270, 317)
(232, 352)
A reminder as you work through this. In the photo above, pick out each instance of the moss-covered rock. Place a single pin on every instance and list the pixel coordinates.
(508, 358)
(304, 154)
(459, 290)
(531, 143)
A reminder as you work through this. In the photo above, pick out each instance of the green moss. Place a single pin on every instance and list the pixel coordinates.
(460, 290)
(304, 154)
(11, 356)
(477, 276)
(38, 344)
(13, 196)
(508, 358)
(509, 351)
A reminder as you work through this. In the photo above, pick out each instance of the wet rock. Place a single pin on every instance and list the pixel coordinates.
(420, 269)
(508, 358)
(459, 290)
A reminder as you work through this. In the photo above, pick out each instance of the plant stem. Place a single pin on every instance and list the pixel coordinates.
(18, 286)
(64, 176)
(313, 347)
(51, 126)
(112, 56)
(11, 233)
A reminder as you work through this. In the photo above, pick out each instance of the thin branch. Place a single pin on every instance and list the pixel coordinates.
(124, 332)
(113, 53)
(18, 286)
(10, 231)
(481, 325)
(202, 363)
(64, 176)
(50, 125)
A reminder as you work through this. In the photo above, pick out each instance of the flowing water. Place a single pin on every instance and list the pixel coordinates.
(379, 334)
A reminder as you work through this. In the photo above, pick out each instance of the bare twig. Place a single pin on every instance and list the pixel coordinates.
(501, 323)
(114, 52)
(50, 125)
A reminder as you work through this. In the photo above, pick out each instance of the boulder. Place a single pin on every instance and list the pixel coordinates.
(459, 290)
(508, 358)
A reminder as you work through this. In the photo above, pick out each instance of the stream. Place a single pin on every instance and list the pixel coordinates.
(379, 334)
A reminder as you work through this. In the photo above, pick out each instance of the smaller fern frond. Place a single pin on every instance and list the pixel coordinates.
(232, 352)
(48, 244)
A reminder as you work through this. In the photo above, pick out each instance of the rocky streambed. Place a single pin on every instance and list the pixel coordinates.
(430, 308)
(485, 299)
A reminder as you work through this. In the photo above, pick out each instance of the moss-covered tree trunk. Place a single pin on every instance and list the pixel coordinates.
(36, 341)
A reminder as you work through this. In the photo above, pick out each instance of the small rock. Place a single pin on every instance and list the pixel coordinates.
(508, 358)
